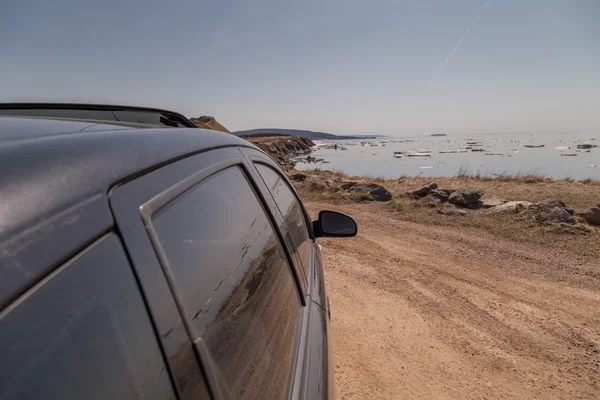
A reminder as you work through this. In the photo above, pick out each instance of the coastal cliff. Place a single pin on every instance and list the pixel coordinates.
(283, 148)
(207, 122)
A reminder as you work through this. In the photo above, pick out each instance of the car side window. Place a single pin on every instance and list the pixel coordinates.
(235, 285)
(290, 208)
(83, 333)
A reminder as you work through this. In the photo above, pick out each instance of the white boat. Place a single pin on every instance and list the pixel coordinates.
(453, 151)
(418, 154)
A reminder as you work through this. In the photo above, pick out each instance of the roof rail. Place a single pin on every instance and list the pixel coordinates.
(96, 112)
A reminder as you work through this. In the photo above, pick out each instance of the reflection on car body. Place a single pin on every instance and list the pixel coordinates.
(189, 272)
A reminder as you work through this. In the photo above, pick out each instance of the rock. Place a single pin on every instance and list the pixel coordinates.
(465, 197)
(452, 211)
(509, 207)
(377, 192)
(555, 210)
(493, 202)
(447, 191)
(439, 195)
(284, 149)
(422, 191)
(547, 205)
(298, 177)
(347, 184)
(561, 215)
(431, 201)
(476, 206)
(592, 216)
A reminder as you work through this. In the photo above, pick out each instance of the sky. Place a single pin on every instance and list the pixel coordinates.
(341, 66)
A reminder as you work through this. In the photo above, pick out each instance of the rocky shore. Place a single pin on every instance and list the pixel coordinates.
(283, 149)
(573, 206)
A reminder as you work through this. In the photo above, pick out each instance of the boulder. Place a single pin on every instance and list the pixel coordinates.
(377, 192)
(476, 206)
(422, 191)
(560, 215)
(592, 216)
(493, 202)
(547, 205)
(555, 210)
(347, 184)
(465, 197)
(439, 195)
(452, 211)
(509, 207)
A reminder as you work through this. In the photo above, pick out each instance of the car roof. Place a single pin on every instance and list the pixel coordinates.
(22, 128)
(56, 165)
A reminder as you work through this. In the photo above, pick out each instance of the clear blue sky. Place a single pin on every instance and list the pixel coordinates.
(342, 66)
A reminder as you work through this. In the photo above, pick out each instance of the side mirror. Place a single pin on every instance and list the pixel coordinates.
(334, 224)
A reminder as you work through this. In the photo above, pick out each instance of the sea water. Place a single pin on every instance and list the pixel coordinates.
(486, 154)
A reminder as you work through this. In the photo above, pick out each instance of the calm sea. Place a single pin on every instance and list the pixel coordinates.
(502, 154)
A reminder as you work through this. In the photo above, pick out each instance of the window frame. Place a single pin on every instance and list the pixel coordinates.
(256, 157)
(136, 201)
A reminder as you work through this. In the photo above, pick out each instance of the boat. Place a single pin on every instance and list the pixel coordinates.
(585, 146)
(439, 134)
(453, 151)
(418, 154)
(569, 154)
(534, 146)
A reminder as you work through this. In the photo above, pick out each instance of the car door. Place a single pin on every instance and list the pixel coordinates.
(318, 365)
(218, 280)
(83, 332)
(295, 221)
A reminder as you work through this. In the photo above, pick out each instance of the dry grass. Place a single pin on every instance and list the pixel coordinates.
(519, 177)
(579, 195)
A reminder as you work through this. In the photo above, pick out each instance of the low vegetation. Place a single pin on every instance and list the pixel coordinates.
(327, 186)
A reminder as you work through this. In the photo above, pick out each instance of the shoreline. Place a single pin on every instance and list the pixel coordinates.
(577, 203)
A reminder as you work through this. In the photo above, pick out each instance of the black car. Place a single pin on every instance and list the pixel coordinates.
(140, 260)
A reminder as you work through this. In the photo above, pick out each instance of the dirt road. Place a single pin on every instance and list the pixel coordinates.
(447, 313)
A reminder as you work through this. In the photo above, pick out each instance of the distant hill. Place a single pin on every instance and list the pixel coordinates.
(207, 122)
(302, 133)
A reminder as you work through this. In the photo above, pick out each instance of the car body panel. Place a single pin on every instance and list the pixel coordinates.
(66, 188)
(32, 253)
(83, 332)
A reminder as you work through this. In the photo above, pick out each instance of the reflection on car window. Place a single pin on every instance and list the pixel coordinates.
(290, 209)
(236, 285)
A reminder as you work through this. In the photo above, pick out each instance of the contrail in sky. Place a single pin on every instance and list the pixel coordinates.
(456, 47)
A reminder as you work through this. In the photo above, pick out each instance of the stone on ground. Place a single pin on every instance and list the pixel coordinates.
(377, 192)
(465, 197)
(422, 191)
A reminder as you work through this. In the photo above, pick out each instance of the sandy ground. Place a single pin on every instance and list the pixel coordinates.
(454, 313)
